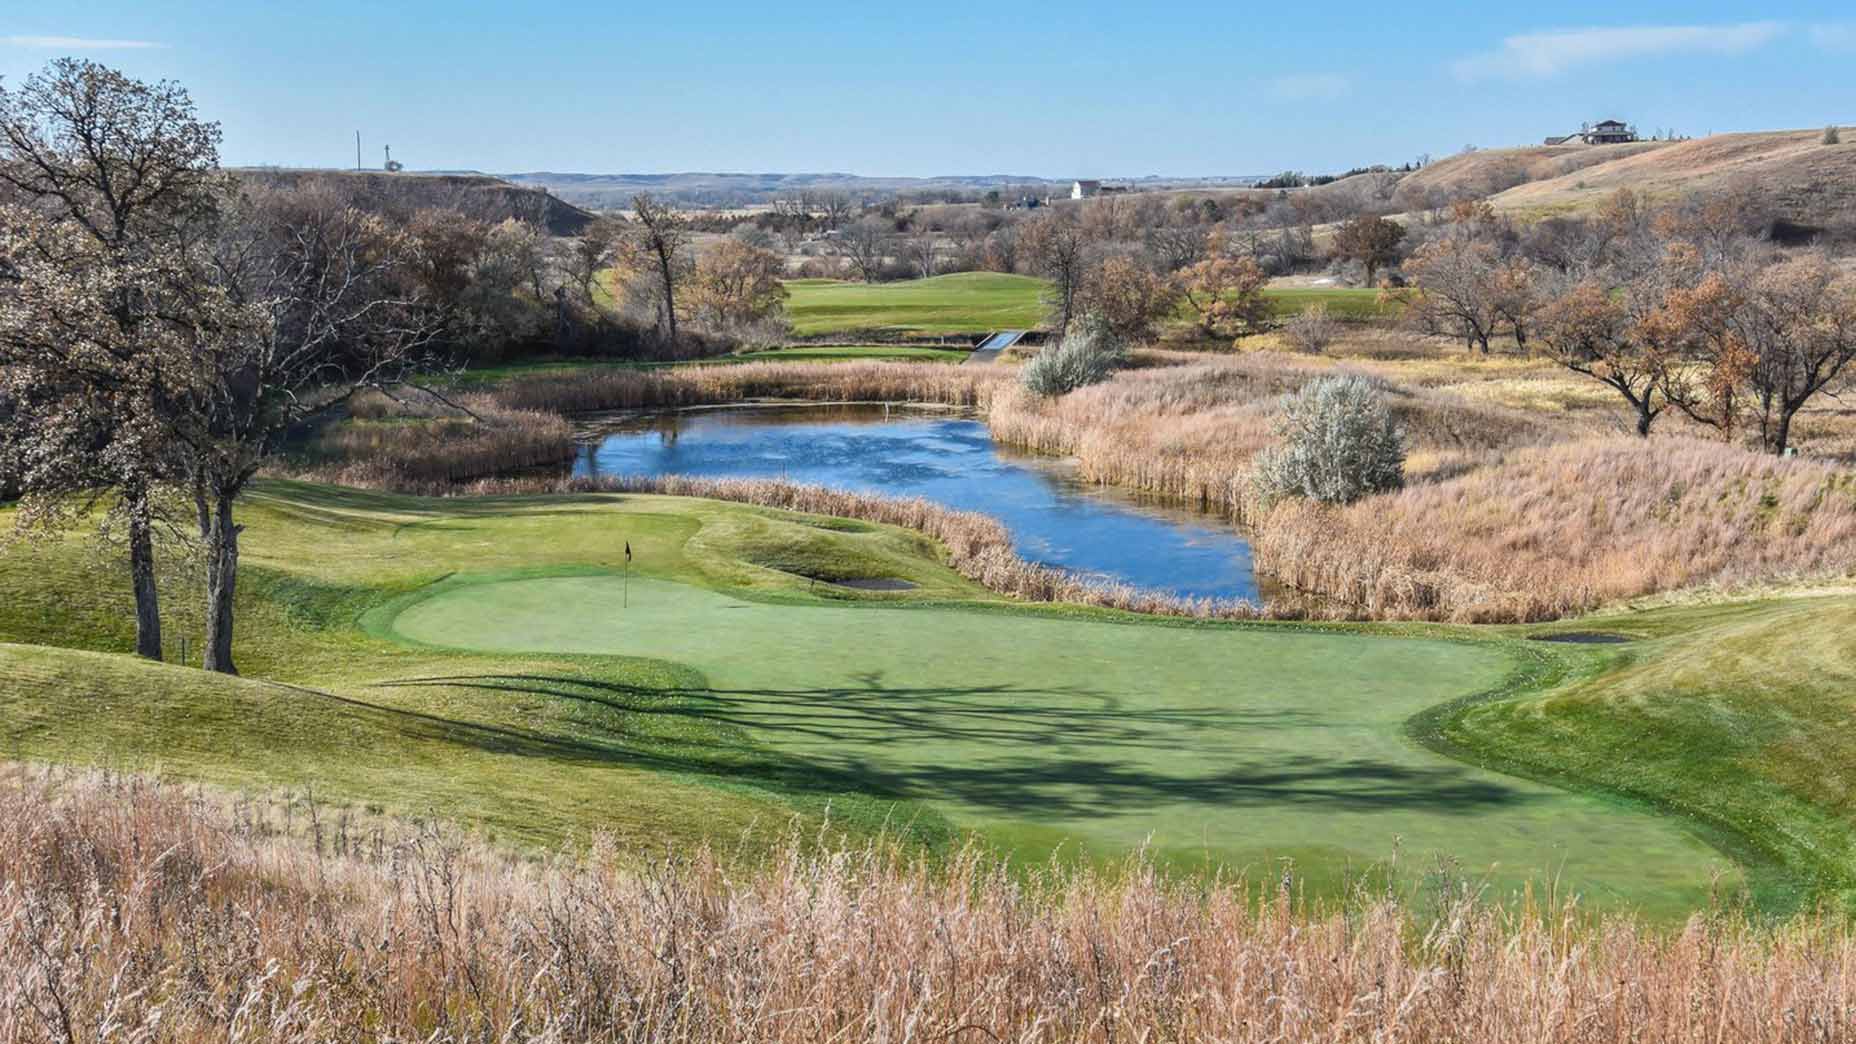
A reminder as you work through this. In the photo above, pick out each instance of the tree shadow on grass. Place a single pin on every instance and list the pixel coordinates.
(1051, 753)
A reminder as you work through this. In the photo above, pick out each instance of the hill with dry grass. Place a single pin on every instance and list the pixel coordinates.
(1487, 172)
(1793, 172)
(400, 194)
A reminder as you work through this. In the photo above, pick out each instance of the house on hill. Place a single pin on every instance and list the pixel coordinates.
(1091, 189)
(1604, 132)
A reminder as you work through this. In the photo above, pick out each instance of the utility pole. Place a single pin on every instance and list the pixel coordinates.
(357, 150)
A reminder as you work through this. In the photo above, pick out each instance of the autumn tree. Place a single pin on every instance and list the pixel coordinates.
(1765, 339)
(1371, 241)
(1456, 277)
(1224, 291)
(106, 173)
(736, 284)
(1128, 298)
(1591, 330)
(654, 247)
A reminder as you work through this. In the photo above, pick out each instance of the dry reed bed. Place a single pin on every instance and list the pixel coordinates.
(1190, 432)
(1558, 530)
(873, 381)
(130, 912)
(421, 441)
(978, 546)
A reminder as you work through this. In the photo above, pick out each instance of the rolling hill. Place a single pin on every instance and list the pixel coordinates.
(1793, 172)
(476, 196)
(1790, 173)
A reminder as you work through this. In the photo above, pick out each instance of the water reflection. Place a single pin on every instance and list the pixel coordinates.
(1054, 519)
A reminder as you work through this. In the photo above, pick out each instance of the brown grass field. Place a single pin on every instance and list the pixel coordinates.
(137, 912)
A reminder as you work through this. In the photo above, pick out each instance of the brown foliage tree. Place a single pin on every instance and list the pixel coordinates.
(736, 284)
(1129, 299)
(1765, 339)
(1372, 241)
(1455, 276)
(1592, 331)
(1224, 291)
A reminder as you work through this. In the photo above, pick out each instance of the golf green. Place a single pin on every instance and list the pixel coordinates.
(1241, 746)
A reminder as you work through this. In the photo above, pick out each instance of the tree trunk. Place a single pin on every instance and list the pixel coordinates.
(1644, 419)
(670, 295)
(142, 574)
(221, 586)
(1781, 434)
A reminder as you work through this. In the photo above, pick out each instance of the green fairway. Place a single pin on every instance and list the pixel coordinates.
(973, 302)
(1341, 301)
(1241, 747)
(965, 303)
(485, 659)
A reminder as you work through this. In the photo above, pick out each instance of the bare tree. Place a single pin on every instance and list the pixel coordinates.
(589, 255)
(922, 252)
(656, 245)
(1455, 277)
(289, 317)
(1177, 246)
(865, 243)
(106, 172)
(1059, 250)
(836, 208)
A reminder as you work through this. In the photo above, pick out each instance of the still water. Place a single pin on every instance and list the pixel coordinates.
(1054, 519)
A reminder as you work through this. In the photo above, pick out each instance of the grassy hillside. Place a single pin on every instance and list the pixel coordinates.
(963, 303)
(1792, 171)
(484, 660)
(1486, 172)
(1736, 714)
(976, 302)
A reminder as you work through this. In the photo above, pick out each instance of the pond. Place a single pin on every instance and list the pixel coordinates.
(1054, 518)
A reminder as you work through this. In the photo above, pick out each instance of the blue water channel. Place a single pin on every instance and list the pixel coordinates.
(1054, 519)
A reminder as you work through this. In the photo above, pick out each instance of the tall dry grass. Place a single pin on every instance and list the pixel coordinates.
(419, 441)
(1191, 432)
(1562, 529)
(131, 912)
(873, 381)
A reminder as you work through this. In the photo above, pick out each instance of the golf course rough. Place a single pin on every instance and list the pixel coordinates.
(1237, 747)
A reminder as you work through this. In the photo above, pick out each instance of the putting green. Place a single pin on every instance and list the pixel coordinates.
(1236, 745)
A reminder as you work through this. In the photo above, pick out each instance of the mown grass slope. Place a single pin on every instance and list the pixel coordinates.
(962, 303)
(975, 302)
(725, 693)
(1735, 714)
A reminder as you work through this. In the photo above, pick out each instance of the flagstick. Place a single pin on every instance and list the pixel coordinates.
(625, 598)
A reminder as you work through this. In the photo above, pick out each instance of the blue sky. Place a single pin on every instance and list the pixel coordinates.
(1086, 88)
